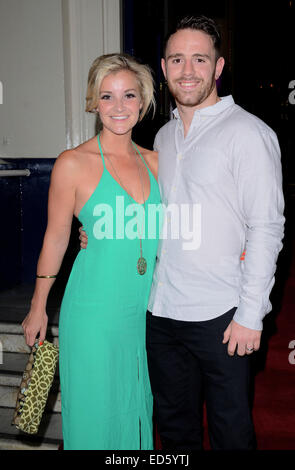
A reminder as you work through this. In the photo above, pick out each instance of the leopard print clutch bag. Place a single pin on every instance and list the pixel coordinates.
(34, 388)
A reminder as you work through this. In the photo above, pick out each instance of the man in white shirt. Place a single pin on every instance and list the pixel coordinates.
(208, 301)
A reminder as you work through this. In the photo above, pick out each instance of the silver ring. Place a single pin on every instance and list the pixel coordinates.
(249, 349)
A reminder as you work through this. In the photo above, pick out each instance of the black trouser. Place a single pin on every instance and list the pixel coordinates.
(188, 361)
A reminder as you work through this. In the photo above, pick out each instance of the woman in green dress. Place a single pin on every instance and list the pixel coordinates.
(109, 183)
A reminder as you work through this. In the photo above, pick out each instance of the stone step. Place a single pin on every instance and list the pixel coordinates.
(15, 444)
(16, 363)
(12, 338)
(10, 378)
(15, 303)
(16, 328)
(13, 362)
(14, 354)
(50, 430)
(8, 395)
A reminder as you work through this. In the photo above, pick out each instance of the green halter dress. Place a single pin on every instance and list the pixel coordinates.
(105, 390)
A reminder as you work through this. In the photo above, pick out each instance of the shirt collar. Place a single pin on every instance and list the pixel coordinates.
(224, 103)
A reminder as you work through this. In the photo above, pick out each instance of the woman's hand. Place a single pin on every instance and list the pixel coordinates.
(34, 323)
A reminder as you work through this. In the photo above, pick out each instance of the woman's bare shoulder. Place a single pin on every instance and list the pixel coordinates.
(151, 159)
(74, 159)
(66, 165)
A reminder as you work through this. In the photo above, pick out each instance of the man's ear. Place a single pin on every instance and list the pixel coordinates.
(219, 67)
(163, 65)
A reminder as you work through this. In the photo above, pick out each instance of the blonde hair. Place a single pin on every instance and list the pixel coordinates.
(112, 63)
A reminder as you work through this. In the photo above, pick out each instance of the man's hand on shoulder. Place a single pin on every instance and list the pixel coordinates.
(83, 238)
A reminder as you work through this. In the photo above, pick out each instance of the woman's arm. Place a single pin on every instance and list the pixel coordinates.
(61, 204)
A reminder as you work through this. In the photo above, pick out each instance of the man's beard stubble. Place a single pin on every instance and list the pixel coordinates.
(193, 99)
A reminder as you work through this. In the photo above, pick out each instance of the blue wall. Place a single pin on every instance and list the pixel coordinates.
(23, 215)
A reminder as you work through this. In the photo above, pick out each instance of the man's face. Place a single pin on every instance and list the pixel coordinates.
(191, 69)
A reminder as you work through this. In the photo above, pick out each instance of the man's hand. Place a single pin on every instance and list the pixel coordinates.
(83, 238)
(246, 339)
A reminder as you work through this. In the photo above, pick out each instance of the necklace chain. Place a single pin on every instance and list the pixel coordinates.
(140, 176)
(141, 263)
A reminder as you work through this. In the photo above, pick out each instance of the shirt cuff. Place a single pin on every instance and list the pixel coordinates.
(244, 317)
(253, 324)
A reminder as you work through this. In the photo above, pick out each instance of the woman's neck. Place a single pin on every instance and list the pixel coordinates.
(116, 144)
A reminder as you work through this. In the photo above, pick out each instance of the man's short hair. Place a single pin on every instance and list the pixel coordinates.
(198, 23)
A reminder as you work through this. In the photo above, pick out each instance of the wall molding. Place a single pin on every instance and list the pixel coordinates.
(90, 28)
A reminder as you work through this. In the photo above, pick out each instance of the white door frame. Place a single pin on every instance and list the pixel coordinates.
(90, 28)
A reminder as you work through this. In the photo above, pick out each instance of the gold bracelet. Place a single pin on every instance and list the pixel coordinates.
(46, 277)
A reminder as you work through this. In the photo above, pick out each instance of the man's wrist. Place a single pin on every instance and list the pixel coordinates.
(251, 323)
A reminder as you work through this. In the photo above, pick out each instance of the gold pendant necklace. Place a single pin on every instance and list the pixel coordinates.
(141, 263)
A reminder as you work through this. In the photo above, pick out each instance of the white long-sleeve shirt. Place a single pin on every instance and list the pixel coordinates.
(225, 179)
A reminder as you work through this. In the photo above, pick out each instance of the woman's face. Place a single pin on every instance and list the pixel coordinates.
(119, 102)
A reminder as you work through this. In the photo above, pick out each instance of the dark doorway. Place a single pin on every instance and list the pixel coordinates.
(145, 26)
(259, 72)
(257, 45)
